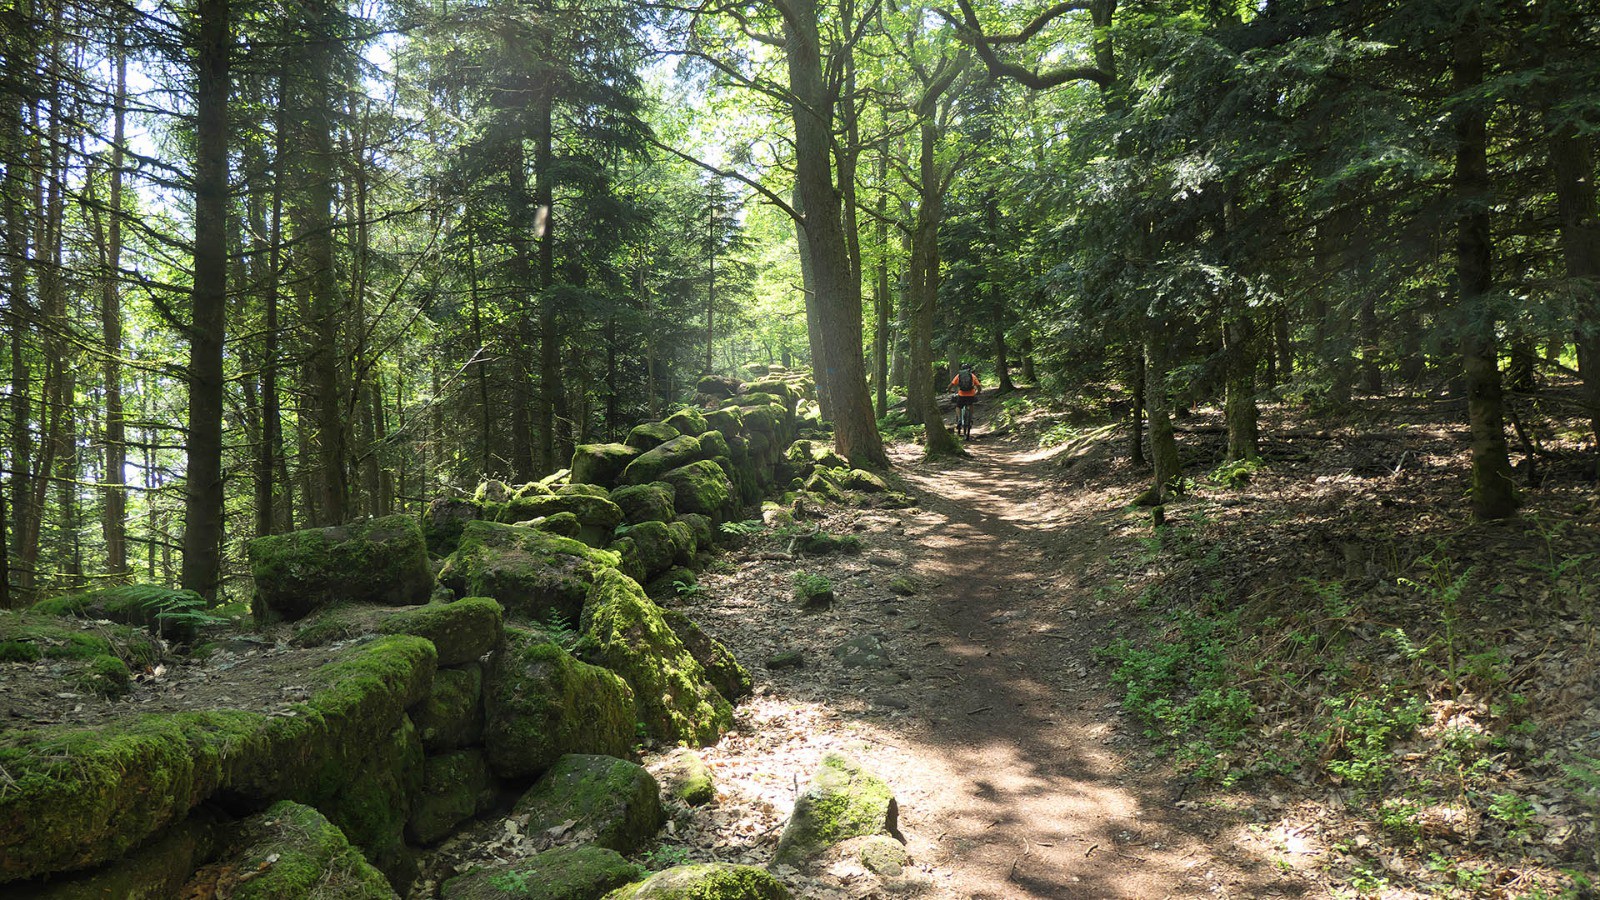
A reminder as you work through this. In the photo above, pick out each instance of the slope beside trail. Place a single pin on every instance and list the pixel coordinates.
(1017, 776)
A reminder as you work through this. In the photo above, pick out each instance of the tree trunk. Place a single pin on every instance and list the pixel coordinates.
(203, 489)
(1494, 495)
(549, 338)
(114, 524)
(1135, 366)
(836, 295)
(1572, 167)
(924, 270)
(881, 301)
(1163, 440)
(1026, 348)
(1240, 405)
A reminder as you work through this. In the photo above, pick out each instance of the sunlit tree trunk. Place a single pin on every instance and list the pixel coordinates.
(924, 271)
(113, 521)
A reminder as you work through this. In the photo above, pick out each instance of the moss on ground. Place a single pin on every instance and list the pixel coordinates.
(625, 632)
(291, 850)
(174, 614)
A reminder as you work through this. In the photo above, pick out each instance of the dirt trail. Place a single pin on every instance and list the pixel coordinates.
(1039, 800)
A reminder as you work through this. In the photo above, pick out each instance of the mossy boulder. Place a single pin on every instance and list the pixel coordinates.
(532, 573)
(688, 420)
(785, 393)
(452, 714)
(685, 542)
(813, 592)
(455, 787)
(724, 672)
(80, 796)
(629, 561)
(583, 490)
(625, 632)
(769, 418)
(157, 870)
(563, 524)
(843, 801)
(805, 455)
(590, 510)
(904, 585)
(650, 435)
(443, 520)
(702, 487)
(600, 463)
(717, 385)
(382, 561)
(713, 445)
(656, 545)
(686, 778)
(610, 802)
(645, 502)
(103, 675)
(652, 464)
(291, 850)
(540, 704)
(164, 611)
(371, 801)
(821, 543)
(706, 881)
(563, 873)
(729, 421)
(531, 489)
(461, 632)
(703, 528)
(491, 491)
(864, 481)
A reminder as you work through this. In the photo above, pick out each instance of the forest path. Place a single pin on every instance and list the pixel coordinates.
(1041, 795)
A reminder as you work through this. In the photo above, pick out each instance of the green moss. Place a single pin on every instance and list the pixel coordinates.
(540, 703)
(650, 436)
(443, 520)
(30, 636)
(564, 873)
(105, 675)
(157, 870)
(728, 420)
(724, 672)
(531, 573)
(455, 787)
(172, 613)
(706, 881)
(686, 778)
(768, 417)
(823, 544)
(461, 632)
(565, 524)
(491, 491)
(600, 463)
(702, 487)
(813, 591)
(452, 714)
(666, 585)
(589, 510)
(371, 801)
(383, 561)
(645, 502)
(629, 563)
(904, 585)
(625, 632)
(293, 851)
(81, 796)
(650, 465)
(704, 530)
(843, 801)
(656, 545)
(611, 802)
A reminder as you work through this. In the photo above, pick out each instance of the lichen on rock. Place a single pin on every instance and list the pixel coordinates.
(843, 801)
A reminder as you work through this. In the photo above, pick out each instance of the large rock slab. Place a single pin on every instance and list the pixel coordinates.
(371, 800)
(609, 802)
(290, 850)
(651, 465)
(706, 881)
(843, 801)
(600, 463)
(157, 870)
(564, 873)
(650, 436)
(80, 796)
(541, 704)
(724, 672)
(645, 502)
(625, 632)
(461, 632)
(533, 574)
(382, 561)
(702, 487)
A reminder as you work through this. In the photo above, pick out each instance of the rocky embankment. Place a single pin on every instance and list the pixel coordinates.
(501, 656)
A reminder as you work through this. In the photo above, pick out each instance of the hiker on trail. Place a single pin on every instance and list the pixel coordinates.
(967, 388)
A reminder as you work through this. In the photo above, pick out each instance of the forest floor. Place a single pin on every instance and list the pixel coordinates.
(1286, 695)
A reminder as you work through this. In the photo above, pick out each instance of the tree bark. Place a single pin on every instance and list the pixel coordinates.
(881, 300)
(113, 523)
(924, 271)
(548, 397)
(1572, 168)
(1135, 366)
(1494, 495)
(836, 295)
(1163, 440)
(203, 489)
(1240, 404)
